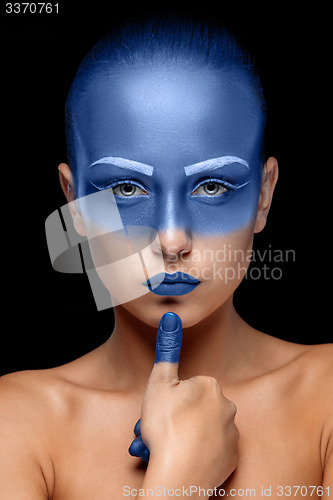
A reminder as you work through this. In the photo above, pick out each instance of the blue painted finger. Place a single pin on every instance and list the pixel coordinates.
(169, 339)
(139, 449)
(145, 455)
(137, 428)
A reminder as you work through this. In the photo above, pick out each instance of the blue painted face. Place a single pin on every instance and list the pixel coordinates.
(180, 148)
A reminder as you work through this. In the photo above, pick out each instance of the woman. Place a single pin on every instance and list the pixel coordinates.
(168, 181)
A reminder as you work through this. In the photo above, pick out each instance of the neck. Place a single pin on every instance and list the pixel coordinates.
(216, 347)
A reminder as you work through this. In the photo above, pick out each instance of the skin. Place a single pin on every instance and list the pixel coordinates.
(76, 421)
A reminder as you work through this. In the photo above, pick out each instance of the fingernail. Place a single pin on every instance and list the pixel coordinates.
(169, 322)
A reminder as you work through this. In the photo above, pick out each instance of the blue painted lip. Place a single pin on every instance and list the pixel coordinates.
(173, 288)
(172, 284)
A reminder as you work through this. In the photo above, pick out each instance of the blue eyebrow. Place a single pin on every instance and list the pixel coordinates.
(127, 164)
(214, 163)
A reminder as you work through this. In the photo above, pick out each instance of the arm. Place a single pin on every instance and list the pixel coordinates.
(171, 479)
(21, 475)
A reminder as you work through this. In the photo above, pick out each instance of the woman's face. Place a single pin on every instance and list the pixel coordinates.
(173, 155)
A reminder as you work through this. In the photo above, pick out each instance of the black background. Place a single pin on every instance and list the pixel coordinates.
(50, 318)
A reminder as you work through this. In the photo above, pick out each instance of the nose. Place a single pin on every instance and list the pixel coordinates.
(173, 243)
(173, 227)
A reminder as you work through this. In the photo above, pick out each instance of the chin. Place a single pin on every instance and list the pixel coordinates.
(191, 311)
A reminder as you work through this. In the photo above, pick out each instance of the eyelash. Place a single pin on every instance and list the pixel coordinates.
(113, 184)
(217, 180)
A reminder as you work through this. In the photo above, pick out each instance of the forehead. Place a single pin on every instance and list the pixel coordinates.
(179, 112)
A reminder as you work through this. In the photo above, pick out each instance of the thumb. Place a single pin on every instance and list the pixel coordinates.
(168, 345)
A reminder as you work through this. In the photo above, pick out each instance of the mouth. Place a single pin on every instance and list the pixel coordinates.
(172, 284)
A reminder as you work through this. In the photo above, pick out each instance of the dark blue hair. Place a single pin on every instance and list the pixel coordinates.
(160, 39)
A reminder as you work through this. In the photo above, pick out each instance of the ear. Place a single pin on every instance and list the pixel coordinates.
(66, 182)
(270, 176)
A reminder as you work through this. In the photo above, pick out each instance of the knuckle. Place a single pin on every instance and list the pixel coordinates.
(236, 434)
(205, 379)
(233, 408)
(234, 460)
(211, 381)
(229, 407)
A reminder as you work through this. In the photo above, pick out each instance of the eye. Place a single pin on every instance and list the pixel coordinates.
(128, 190)
(210, 188)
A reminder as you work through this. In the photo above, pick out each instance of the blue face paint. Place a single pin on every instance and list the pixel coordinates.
(180, 148)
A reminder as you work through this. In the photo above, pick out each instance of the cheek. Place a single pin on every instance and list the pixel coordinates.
(221, 261)
(124, 260)
(234, 256)
(220, 219)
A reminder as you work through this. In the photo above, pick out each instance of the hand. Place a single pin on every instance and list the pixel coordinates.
(167, 350)
(187, 419)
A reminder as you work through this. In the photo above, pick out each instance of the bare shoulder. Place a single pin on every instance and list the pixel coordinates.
(316, 364)
(48, 395)
(18, 391)
(300, 378)
(27, 390)
(298, 368)
(25, 462)
(313, 361)
(34, 407)
(29, 402)
(309, 374)
(37, 410)
(36, 402)
(39, 393)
